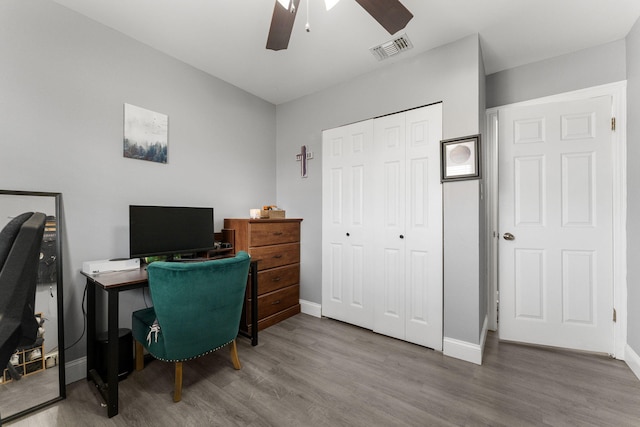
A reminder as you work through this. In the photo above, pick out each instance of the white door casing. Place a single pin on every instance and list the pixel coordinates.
(556, 197)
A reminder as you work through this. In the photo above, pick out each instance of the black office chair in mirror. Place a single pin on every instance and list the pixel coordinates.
(31, 316)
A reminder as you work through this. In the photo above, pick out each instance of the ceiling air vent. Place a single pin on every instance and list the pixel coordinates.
(392, 47)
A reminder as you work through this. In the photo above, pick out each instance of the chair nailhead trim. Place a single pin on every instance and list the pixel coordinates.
(194, 357)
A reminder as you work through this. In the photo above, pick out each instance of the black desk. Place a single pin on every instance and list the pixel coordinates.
(114, 283)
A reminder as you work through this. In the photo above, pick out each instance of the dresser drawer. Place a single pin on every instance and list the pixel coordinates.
(276, 256)
(276, 278)
(264, 234)
(273, 302)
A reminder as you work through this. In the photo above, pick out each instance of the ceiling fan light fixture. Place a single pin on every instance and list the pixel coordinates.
(330, 3)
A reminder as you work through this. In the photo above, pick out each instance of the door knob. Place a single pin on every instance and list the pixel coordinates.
(508, 236)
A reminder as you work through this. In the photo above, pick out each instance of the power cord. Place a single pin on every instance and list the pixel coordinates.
(144, 297)
(84, 316)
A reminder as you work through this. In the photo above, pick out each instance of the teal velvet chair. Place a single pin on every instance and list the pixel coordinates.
(196, 310)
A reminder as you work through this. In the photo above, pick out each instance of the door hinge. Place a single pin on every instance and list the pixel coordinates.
(615, 315)
(613, 124)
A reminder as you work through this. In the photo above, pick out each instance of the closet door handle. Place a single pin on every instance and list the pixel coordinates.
(348, 234)
(402, 236)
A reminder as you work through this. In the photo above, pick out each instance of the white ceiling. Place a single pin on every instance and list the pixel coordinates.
(226, 38)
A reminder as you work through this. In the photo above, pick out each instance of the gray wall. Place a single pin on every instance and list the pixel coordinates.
(633, 196)
(450, 74)
(63, 82)
(586, 68)
(462, 305)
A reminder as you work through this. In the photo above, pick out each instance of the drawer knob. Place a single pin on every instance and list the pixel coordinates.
(278, 256)
(277, 233)
(276, 279)
(276, 302)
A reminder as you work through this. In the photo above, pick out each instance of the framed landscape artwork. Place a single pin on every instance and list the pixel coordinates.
(145, 134)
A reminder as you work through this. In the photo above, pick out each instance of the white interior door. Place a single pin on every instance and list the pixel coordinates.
(555, 223)
(346, 245)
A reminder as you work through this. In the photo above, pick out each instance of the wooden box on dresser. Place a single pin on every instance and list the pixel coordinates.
(275, 244)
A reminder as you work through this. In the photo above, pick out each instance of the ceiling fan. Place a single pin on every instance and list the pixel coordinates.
(391, 14)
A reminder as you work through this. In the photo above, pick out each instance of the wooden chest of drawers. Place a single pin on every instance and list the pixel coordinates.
(275, 243)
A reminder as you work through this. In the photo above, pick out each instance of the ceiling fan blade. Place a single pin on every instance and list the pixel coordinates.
(391, 14)
(281, 26)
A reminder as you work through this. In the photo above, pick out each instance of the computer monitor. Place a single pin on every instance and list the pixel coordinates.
(169, 230)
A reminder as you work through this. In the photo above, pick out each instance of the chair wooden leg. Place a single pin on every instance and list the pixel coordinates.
(139, 356)
(177, 390)
(234, 355)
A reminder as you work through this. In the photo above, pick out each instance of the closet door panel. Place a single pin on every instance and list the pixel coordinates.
(390, 200)
(346, 244)
(423, 228)
(418, 277)
(389, 319)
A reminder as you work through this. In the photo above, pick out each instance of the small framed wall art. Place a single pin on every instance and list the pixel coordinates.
(460, 158)
(146, 134)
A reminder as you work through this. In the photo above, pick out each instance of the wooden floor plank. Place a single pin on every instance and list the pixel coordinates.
(320, 372)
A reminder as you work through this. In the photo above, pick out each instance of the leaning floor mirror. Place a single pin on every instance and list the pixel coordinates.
(34, 377)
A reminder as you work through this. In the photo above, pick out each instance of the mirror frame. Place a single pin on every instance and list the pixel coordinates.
(57, 197)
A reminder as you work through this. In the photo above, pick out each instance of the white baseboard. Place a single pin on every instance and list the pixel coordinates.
(75, 370)
(311, 308)
(466, 351)
(632, 360)
(462, 350)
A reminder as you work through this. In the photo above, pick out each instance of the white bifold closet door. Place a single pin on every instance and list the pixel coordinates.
(382, 225)
(347, 241)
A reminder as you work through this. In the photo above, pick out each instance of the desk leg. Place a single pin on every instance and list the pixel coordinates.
(91, 328)
(112, 352)
(254, 303)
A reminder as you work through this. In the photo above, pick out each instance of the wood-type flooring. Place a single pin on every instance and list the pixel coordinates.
(308, 371)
